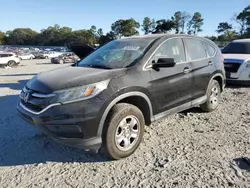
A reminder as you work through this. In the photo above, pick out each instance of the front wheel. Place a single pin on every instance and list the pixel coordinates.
(123, 131)
(213, 97)
(11, 63)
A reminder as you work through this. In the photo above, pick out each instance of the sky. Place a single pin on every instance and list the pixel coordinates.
(81, 14)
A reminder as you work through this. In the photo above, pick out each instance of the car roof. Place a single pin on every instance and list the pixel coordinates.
(242, 40)
(156, 36)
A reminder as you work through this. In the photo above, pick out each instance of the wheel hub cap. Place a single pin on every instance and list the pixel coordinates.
(214, 96)
(127, 133)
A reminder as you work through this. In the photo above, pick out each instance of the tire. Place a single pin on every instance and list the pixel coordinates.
(113, 130)
(61, 61)
(213, 97)
(11, 63)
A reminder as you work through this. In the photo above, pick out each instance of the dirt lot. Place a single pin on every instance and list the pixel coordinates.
(189, 149)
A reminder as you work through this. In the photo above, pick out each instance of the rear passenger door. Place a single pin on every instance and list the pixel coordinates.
(171, 87)
(201, 65)
(3, 58)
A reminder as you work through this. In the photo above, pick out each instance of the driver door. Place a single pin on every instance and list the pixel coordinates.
(171, 86)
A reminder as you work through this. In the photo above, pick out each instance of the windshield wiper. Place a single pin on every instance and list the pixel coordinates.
(98, 66)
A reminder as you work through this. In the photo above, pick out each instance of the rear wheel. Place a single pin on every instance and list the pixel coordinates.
(11, 63)
(61, 61)
(123, 131)
(213, 97)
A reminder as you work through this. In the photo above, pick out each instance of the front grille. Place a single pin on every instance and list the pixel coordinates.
(32, 107)
(232, 67)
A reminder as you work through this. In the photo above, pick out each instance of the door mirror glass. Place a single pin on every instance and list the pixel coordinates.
(164, 62)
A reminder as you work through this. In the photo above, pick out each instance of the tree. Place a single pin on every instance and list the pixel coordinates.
(185, 17)
(2, 38)
(223, 27)
(100, 32)
(164, 26)
(177, 20)
(93, 29)
(212, 38)
(243, 20)
(21, 36)
(195, 24)
(147, 25)
(227, 31)
(125, 28)
(107, 38)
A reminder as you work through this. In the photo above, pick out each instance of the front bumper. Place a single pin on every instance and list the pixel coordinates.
(241, 77)
(74, 124)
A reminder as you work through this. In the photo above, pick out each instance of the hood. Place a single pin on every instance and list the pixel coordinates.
(241, 57)
(81, 50)
(70, 76)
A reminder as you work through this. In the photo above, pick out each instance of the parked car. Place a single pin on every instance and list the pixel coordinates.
(9, 59)
(103, 102)
(237, 61)
(50, 54)
(39, 55)
(69, 57)
(26, 56)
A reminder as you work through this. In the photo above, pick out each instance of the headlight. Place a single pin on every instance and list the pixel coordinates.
(79, 93)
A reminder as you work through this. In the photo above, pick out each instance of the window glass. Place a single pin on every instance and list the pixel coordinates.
(172, 48)
(237, 48)
(117, 54)
(195, 49)
(4, 55)
(210, 49)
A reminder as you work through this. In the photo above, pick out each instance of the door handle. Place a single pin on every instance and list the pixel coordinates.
(186, 70)
(210, 62)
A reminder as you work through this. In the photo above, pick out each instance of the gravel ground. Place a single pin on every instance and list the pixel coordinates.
(189, 149)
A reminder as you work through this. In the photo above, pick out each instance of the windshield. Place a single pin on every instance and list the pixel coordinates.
(237, 48)
(117, 54)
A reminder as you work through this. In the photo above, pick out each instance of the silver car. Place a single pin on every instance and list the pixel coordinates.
(237, 61)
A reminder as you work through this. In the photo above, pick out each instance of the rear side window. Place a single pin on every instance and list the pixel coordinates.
(210, 49)
(172, 48)
(195, 49)
(4, 55)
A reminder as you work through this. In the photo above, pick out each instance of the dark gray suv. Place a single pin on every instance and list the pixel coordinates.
(103, 102)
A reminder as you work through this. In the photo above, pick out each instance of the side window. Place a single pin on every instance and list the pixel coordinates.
(172, 48)
(4, 55)
(210, 49)
(195, 49)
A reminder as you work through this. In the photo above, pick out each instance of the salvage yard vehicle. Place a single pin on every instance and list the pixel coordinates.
(26, 56)
(69, 57)
(103, 102)
(237, 61)
(50, 54)
(9, 59)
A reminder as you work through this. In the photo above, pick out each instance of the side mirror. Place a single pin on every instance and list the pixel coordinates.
(164, 63)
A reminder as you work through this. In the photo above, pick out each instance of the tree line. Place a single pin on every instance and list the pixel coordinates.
(180, 22)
